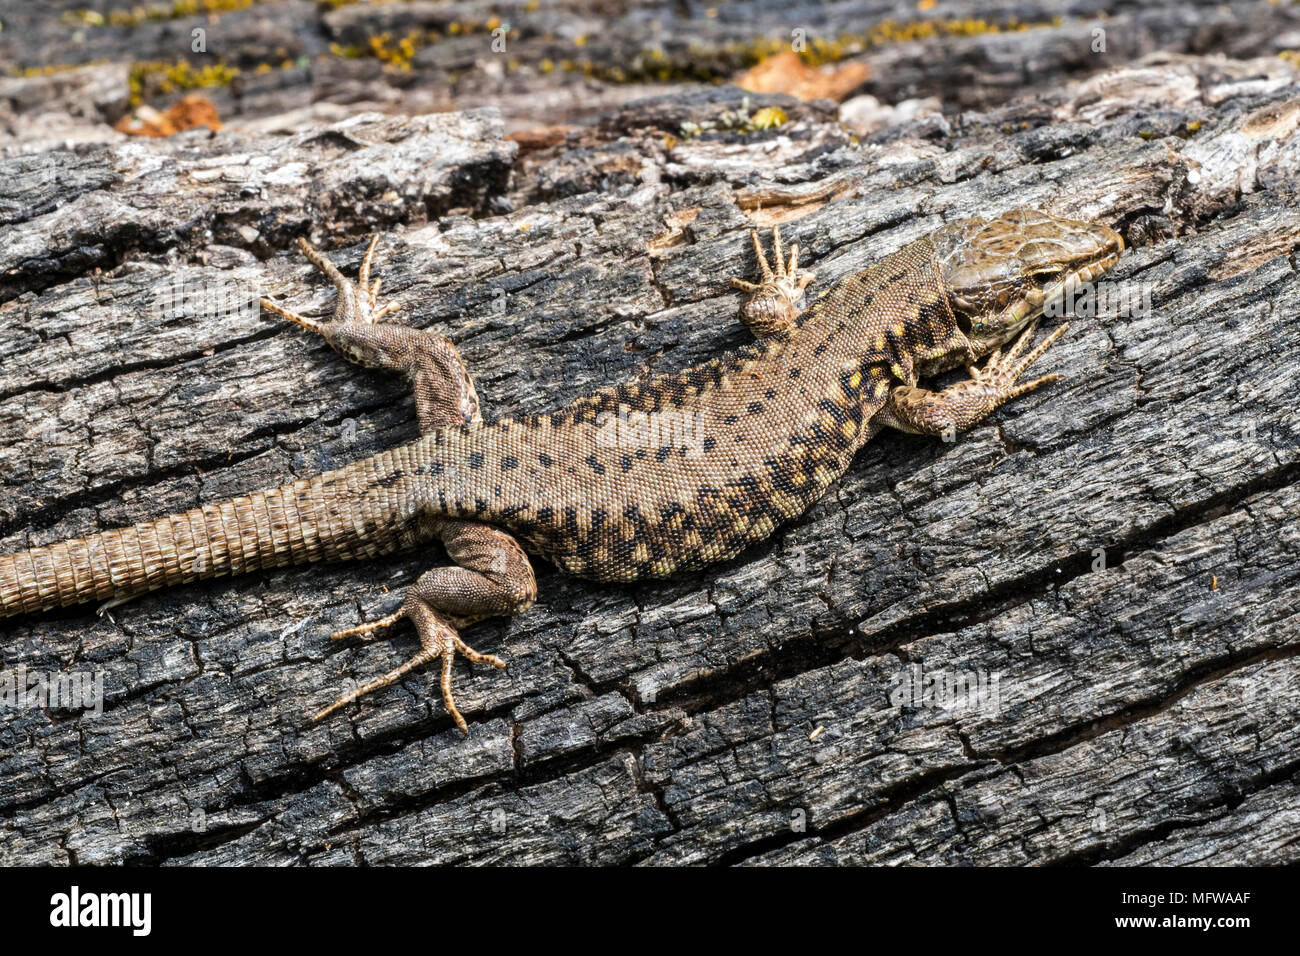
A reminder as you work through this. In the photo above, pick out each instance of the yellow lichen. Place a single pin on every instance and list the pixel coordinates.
(162, 77)
(698, 63)
(175, 10)
(768, 117)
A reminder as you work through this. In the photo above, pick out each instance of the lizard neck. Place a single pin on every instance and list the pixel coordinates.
(886, 326)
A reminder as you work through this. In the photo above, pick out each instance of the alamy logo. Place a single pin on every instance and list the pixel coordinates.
(190, 298)
(103, 909)
(957, 692)
(1115, 300)
(669, 431)
(21, 689)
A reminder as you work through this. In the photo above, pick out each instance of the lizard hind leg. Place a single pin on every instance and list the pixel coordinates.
(492, 576)
(438, 640)
(773, 304)
(356, 301)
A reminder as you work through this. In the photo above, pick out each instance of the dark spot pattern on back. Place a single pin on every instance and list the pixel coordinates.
(647, 478)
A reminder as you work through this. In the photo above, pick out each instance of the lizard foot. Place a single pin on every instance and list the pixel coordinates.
(776, 302)
(444, 390)
(1000, 372)
(960, 406)
(357, 302)
(438, 639)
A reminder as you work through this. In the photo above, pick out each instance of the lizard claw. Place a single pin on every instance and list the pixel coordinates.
(777, 301)
(1002, 371)
(438, 639)
(960, 406)
(357, 302)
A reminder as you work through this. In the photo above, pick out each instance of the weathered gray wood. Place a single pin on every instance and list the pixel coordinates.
(1119, 549)
(568, 60)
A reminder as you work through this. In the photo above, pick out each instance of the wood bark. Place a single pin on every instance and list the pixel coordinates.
(1118, 551)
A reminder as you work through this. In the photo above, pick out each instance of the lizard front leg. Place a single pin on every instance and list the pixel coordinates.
(774, 303)
(492, 576)
(444, 390)
(967, 403)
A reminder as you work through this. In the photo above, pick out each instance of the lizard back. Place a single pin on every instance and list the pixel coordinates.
(644, 480)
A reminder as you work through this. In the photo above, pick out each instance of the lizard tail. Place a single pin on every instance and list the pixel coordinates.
(325, 518)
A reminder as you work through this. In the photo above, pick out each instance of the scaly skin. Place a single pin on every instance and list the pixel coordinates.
(635, 481)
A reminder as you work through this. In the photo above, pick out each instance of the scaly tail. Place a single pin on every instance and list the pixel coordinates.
(333, 516)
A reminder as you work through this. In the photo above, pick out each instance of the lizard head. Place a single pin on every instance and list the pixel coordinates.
(1000, 272)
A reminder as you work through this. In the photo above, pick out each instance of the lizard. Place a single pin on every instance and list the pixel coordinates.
(634, 481)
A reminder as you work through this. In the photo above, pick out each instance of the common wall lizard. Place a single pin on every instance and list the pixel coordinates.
(637, 480)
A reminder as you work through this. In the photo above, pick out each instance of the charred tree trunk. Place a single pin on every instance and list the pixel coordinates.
(1111, 561)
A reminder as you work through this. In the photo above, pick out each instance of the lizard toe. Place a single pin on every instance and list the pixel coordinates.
(438, 641)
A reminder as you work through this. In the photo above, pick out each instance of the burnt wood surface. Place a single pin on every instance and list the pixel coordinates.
(1117, 551)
